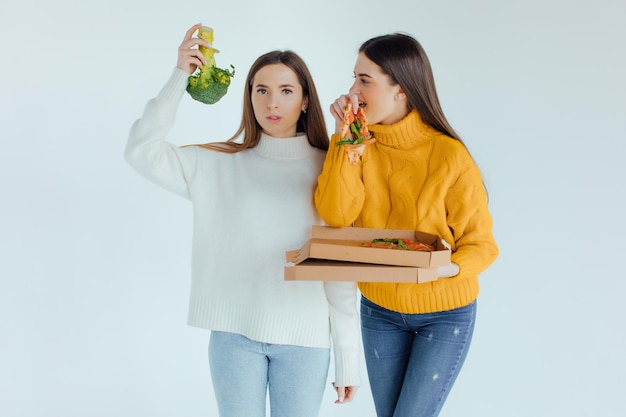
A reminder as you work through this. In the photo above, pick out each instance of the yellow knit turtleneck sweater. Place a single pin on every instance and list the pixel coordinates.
(413, 178)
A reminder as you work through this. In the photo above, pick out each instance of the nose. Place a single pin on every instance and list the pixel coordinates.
(272, 102)
(353, 88)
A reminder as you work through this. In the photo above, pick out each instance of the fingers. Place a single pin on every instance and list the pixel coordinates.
(336, 108)
(355, 102)
(189, 60)
(341, 395)
(189, 41)
(189, 56)
(350, 393)
(345, 394)
(191, 31)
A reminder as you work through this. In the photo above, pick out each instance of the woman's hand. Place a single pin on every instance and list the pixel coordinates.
(336, 109)
(189, 56)
(345, 394)
(447, 271)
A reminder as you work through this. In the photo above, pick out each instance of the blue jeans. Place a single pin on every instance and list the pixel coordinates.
(413, 359)
(242, 371)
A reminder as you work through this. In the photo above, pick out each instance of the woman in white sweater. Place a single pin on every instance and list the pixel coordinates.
(252, 199)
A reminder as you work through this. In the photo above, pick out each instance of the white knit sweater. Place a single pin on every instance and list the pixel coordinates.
(249, 208)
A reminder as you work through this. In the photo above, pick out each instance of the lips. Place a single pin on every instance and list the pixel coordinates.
(274, 118)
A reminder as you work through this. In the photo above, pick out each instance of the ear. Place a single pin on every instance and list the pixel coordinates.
(400, 94)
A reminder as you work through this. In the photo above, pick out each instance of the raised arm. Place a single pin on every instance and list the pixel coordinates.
(147, 150)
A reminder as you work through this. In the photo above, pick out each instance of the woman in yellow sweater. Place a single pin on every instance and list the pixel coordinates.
(418, 175)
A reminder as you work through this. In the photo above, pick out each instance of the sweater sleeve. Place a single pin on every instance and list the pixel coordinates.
(344, 328)
(471, 224)
(147, 150)
(340, 192)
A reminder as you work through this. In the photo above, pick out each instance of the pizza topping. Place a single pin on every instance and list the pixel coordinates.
(399, 243)
(354, 129)
(354, 133)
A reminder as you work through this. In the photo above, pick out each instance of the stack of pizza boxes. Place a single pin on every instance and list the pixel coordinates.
(342, 254)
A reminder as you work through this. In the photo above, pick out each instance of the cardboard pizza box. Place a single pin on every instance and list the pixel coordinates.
(338, 254)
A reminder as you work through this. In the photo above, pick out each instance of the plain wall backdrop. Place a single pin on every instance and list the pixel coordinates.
(94, 259)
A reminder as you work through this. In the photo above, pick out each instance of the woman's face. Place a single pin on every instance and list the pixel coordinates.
(382, 102)
(277, 100)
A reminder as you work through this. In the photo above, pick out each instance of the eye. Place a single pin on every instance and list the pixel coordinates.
(261, 91)
(287, 91)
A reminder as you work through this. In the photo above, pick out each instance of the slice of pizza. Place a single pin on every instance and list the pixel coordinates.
(354, 133)
(354, 129)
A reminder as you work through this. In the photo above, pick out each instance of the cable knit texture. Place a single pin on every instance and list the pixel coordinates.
(413, 178)
(259, 199)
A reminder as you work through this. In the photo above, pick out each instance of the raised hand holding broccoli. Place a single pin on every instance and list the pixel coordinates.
(209, 83)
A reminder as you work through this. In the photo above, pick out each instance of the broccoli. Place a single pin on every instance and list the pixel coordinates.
(209, 83)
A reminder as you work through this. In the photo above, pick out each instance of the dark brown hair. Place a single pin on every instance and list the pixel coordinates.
(404, 60)
(312, 122)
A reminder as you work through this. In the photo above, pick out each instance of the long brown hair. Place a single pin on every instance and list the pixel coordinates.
(312, 122)
(403, 59)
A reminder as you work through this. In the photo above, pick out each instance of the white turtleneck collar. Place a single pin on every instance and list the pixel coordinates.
(284, 148)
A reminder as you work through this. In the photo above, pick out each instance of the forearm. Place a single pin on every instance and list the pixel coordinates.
(345, 331)
(340, 192)
(473, 258)
(475, 246)
(147, 151)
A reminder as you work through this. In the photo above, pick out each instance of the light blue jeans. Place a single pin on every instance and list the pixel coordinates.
(243, 371)
(413, 359)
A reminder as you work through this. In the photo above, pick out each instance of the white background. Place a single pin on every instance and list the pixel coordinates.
(94, 260)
